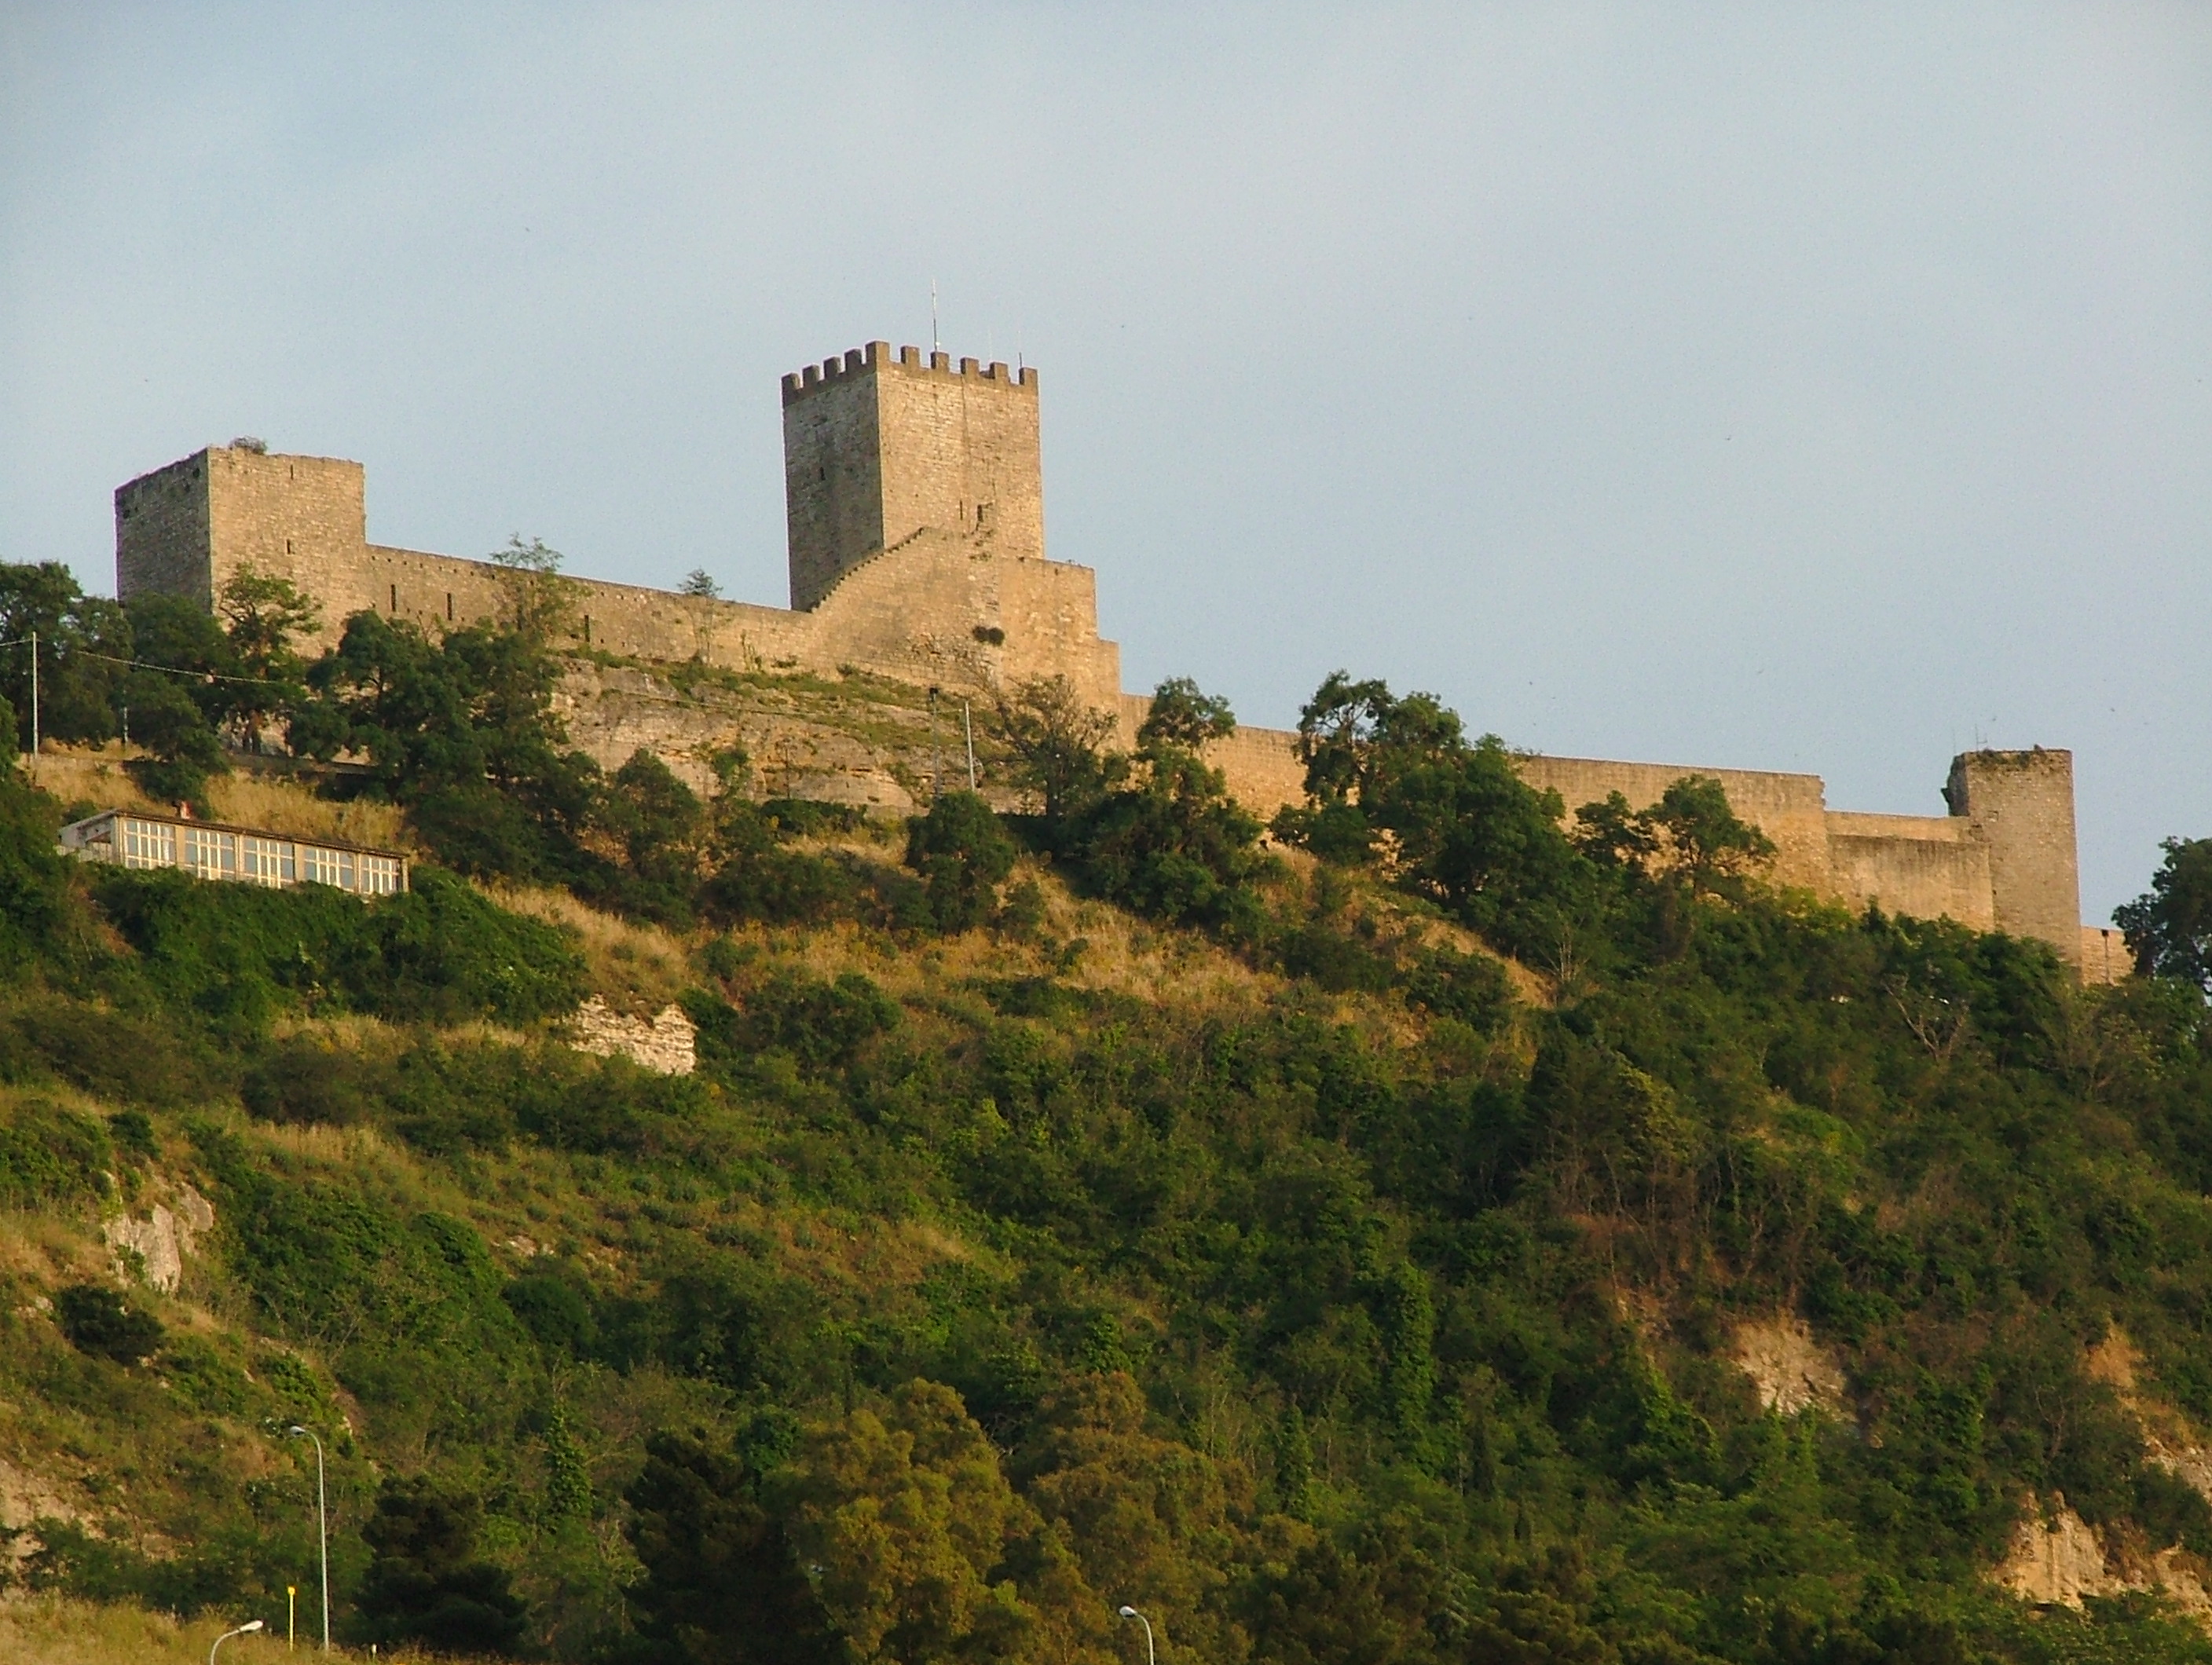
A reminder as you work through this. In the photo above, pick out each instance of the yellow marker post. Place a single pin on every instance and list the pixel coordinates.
(291, 1615)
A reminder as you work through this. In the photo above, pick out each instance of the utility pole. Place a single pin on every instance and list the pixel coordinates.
(933, 763)
(34, 699)
(968, 723)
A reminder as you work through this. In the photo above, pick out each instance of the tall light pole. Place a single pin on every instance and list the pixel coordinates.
(1131, 1612)
(250, 1625)
(322, 1526)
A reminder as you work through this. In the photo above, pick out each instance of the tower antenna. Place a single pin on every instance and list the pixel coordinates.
(935, 346)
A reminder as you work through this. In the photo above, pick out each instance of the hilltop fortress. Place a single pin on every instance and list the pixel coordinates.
(914, 494)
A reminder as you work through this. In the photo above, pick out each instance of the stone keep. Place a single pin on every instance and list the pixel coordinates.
(877, 449)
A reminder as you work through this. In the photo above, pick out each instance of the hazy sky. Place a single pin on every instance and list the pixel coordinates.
(1818, 387)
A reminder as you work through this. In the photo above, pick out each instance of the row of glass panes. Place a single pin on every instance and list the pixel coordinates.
(211, 853)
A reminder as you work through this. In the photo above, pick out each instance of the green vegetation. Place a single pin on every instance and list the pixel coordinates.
(1340, 1251)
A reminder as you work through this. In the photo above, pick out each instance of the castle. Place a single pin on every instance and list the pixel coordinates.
(914, 500)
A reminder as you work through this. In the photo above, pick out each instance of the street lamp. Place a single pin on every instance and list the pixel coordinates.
(250, 1625)
(322, 1526)
(1131, 1612)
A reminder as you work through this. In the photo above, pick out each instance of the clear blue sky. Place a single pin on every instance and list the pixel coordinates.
(1817, 387)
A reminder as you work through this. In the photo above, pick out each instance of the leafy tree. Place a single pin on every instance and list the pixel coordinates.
(2169, 927)
(541, 604)
(1146, 1516)
(82, 643)
(699, 582)
(1167, 839)
(906, 1513)
(463, 731)
(1058, 744)
(172, 704)
(1182, 716)
(262, 618)
(1459, 824)
(662, 825)
(425, 1582)
(1690, 835)
(721, 1581)
(962, 854)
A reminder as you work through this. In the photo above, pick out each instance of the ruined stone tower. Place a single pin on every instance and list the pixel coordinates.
(878, 447)
(2022, 805)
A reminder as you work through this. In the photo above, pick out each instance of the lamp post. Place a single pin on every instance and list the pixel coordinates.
(1131, 1612)
(322, 1526)
(250, 1625)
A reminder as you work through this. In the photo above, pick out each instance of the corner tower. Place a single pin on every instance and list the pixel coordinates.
(184, 530)
(2021, 804)
(876, 448)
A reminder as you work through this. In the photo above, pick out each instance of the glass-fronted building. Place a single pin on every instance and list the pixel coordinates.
(251, 855)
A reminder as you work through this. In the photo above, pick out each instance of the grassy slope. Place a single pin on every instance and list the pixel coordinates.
(1115, 1146)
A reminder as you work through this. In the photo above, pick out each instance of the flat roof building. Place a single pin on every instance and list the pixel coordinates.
(249, 855)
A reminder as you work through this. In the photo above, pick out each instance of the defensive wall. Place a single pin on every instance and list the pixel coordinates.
(914, 508)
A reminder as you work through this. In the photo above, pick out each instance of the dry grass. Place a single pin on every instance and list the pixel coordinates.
(49, 1631)
(639, 969)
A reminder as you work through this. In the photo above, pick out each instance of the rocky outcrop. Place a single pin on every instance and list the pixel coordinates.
(663, 1044)
(1791, 1371)
(153, 1249)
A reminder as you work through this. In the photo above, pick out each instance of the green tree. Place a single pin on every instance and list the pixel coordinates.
(463, 731)
(98, 1321)
(540, 605)
(83, 642)
(1167, 839)
(905, 1512)
(2169, 927)
(171, 703)
(962, 854)
(262, 618)
(425, 1582)
(1461, 826)
(662, 825)
(721, 1585)
(1058, 742)
(1182, 716)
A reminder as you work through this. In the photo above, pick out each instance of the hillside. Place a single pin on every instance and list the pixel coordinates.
(1428, 1234)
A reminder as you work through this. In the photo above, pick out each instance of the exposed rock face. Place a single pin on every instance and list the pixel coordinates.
(25, 1499)
(1791, 1370)
(163, 1240)
(664, 1044)
(2058, 1561)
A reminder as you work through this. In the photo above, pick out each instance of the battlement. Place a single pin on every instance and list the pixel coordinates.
(909, 361)
(880, 446)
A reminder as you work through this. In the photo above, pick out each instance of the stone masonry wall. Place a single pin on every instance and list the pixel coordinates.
(162, 537)
(832, 480)
(1790, 809)
(1926, 866)
(878, 447)
(2023, 804)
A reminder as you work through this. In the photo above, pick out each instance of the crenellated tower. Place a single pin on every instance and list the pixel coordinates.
(878, 447)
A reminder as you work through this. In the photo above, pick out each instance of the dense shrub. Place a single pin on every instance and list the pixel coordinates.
(50, 1155)
(238, 954)
(98, 1321)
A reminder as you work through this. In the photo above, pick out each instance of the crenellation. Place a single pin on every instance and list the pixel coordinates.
(913, 495)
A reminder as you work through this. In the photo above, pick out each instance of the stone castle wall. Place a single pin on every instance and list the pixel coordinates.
(915, 504)
(2003, 860)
